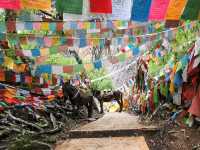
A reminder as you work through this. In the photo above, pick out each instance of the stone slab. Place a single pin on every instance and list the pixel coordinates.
(112, 124)
(114, 143)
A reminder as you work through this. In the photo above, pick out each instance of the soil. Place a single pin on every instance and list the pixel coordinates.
(173, 137)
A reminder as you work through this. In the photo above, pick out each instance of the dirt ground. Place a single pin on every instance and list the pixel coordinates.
(173, 137)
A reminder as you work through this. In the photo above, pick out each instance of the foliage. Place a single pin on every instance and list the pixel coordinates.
(102, 84)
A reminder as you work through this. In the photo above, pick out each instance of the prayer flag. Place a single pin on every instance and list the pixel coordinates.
(140, 10)
(175, 9)
(10, 4)
(69, 6)
(98, 64)
(68, 69)
(78, 68)
(101, 6)
(35, 52)
(121, 57)
(36, 4)
(8, 62)
(57, 69)
(43, 69)
(121, 9)
(192, 10)
(158, 9)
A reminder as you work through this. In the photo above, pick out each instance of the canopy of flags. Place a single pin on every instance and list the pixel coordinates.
(136, 10)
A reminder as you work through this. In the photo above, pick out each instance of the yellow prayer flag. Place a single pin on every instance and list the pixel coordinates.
(44, 51)
(95, 42)
(36, 4)
(55, 40)
(9, 62)
(175, 9)
(45, 26)
(19, 68)
(86, 25)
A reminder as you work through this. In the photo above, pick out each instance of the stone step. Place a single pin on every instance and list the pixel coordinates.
(113, 125)
(114, 143)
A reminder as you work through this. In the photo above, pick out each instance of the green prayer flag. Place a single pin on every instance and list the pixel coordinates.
(53, 50)
(192, 10)
(69, 6)
(121, 57)
(79, 68)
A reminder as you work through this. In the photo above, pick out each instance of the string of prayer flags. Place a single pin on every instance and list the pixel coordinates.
(140, 10)
(191, 10)
(101, 6)
(121, 9)
(175, 9)
(36, 4)
(10, 4)
(158, 9)
(69, 6)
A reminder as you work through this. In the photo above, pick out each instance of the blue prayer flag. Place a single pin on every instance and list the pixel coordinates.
(140, 10)
(35, 52)
(98, 64)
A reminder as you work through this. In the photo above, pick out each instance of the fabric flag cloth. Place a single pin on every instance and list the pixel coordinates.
(9, 62)
(101, 6)
(57, 69)
(121, 9)
(98, 64)
(69, 6)
(68, 69)
(175, 9)
(10, 4)
(140, 10)
(36, 4)
(78, 17)
(43, 69)
(191, 10)
(195, 107)
(158, 9)
(78, 68)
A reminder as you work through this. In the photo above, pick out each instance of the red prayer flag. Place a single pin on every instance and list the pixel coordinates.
(10, 4)
(101, 6)
(68, 69)
(11, 26)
